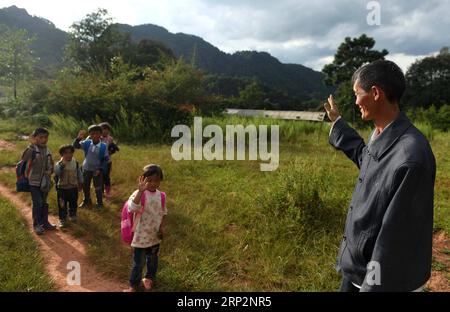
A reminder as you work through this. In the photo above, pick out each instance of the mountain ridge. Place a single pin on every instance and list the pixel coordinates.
(294, 79)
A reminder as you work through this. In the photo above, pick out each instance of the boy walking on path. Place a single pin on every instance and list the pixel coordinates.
(40, 168)
(69, 181)
(95, 159)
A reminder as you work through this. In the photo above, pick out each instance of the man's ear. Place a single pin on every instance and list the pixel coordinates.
(376, 91)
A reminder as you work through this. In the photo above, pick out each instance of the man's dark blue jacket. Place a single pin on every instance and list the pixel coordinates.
(390, 219)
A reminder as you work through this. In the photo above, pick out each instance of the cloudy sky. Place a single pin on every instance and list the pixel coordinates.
(295, 31)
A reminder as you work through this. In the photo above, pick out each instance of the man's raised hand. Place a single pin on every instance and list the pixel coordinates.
(331, 109)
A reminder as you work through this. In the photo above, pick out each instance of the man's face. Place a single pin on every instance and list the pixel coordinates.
(365, 102)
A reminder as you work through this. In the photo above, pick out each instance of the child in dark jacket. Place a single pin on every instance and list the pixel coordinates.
(68, 181)
(40, 168)
(96, 158)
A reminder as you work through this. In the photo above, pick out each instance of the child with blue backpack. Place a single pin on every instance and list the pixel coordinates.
(96, 158)
(34, 173)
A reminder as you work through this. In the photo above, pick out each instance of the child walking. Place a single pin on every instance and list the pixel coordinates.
(112, 148)
(95, 159)
(40, 168)
(68, 181)
(149, 228)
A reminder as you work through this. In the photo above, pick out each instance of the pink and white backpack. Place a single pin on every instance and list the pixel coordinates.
(131, 219)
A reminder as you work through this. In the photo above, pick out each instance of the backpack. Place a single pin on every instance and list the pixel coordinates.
(87, 144)
(23, 169)
(56, 177)
(130, 219)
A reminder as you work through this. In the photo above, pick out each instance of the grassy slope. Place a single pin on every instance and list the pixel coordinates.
(232, 227)
(21, 267)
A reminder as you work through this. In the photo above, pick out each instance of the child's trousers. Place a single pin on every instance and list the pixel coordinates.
(39, 206)
(67, 199)
(107, 177)
(140, 257)
(88, 176)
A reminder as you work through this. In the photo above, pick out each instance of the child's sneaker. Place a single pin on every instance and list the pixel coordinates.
(39, 229)
(148, 283)
(49, 227)
(85, 204)
(62, 223)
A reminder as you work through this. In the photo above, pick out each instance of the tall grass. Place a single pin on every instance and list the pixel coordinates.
(290, 130)
(67, 125)
(21, 265)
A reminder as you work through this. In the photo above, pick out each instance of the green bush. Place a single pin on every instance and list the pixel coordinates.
(437, 118)
(140, 103)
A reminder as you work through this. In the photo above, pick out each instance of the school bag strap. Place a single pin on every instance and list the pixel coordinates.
(86, 145)
(139, 213)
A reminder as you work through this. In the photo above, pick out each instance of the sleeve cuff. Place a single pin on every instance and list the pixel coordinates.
(132, 207)
(332, 125)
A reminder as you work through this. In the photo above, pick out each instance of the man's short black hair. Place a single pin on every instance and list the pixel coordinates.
(64, 148)
(384, 74)
(94, 128)
(40, 131)
(151, 170)
(105, 125)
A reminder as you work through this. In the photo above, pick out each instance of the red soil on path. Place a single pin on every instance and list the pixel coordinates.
(58, 249)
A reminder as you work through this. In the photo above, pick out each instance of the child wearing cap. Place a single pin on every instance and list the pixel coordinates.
(68, 181)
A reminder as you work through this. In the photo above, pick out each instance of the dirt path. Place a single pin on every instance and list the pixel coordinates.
(58, 249)
(440, 276)
(4, 145)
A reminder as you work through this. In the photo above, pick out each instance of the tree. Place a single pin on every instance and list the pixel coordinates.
(428, 81)
(252, 96)
(16, 57)
(351, 54)
(149, 53)
(94, 41)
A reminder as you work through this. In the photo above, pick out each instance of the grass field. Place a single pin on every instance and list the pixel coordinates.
(230, 226)
(21, 267)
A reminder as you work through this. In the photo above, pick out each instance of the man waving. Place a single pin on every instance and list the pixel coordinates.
(387, 239)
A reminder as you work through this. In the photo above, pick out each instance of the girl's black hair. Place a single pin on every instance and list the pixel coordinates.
(65, 148)
(151, 170)
(40, 131)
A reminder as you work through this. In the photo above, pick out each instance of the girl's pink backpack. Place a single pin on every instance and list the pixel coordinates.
(130, 219)
(127, 225)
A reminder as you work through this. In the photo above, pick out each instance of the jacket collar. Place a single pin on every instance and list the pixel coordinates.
(378, 147)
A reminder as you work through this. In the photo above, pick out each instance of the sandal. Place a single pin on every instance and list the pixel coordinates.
(148, 283)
